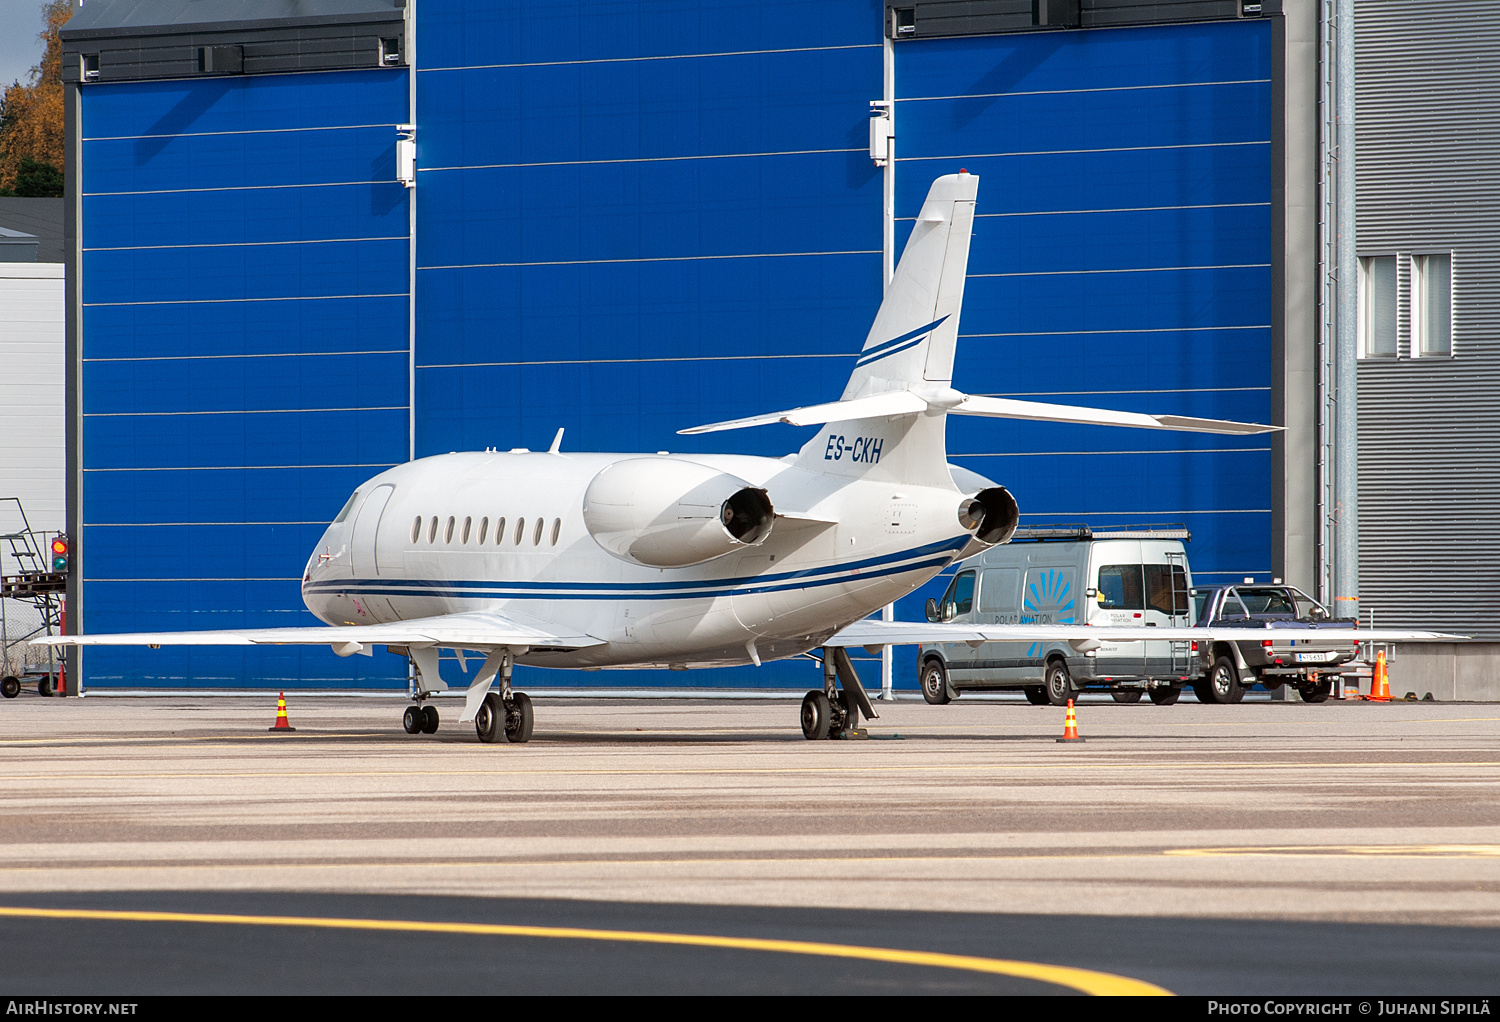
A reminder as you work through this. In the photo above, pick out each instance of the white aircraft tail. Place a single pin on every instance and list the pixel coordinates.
(912, 341)
(891, 420)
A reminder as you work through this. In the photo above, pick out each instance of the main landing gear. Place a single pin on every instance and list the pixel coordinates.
(834, 712)
(498, 716)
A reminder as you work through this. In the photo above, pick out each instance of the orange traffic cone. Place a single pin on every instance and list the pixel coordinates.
(1070, 726)
(1380, 689)
(282, 724)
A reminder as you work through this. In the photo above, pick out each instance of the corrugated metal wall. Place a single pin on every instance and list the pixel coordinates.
(1429, 428)
(1121, 258)
(638, 218)
(244, 343)
(32, 459)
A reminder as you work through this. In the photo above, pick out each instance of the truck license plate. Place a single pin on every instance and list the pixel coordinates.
(1313, 658)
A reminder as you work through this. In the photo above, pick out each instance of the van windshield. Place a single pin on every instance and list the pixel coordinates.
(960, 597)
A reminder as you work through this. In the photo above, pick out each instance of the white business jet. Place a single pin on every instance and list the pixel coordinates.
(679, 561)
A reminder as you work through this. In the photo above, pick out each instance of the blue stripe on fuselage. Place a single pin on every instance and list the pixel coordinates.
(934, 554)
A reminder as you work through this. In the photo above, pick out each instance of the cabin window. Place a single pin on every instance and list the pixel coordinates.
(468, 524)
(520, 530)
(484, 525)
(432, 530)
(416, 529)
(448, 532)
(556, 530)
(499, 531)
(536, 536)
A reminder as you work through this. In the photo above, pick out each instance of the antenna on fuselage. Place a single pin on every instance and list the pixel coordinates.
(556, 447)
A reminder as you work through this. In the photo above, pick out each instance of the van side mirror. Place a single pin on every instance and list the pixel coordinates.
(932, 610)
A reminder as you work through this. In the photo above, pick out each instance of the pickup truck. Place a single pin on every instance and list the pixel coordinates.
(1226, 668)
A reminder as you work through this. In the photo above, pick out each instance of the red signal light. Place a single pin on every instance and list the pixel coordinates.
(60, 553)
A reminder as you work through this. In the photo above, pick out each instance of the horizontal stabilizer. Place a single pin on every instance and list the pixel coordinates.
(874, 632)
(1007, 408)
(876, 406)
(469, 630)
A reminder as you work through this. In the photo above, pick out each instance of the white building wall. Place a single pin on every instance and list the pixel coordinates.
(32, 449)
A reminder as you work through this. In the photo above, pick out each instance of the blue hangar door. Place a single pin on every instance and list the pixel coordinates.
(244, 356)
(1121, 258)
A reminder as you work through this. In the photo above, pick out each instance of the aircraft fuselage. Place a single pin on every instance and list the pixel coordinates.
(505, 532)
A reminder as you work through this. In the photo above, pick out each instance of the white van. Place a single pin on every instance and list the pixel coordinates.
(1067, 575)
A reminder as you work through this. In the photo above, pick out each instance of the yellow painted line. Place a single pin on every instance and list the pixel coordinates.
(1350, 851)
(1084, 980)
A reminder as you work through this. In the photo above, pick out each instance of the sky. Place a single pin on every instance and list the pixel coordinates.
(20, 47)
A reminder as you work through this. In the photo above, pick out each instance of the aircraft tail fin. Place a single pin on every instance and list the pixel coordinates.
(912, 340)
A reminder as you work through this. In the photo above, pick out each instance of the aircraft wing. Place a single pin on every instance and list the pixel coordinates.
(469, 630)
(875, 632)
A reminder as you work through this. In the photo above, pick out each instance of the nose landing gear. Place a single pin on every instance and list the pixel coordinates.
(420, 719)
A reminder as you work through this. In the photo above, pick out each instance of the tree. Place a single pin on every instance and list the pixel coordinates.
(31, 115)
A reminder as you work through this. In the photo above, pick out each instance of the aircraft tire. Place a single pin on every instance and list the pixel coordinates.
(1125, 695)
(1059, 686)
(487, 722)
(1036, 695)
(411, 720)
(1165, 695)
(817, 716)
(935, 683)
(10, 686)
(519, 719)
(430, 720)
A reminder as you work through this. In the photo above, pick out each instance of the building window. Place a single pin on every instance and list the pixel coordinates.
(1431, 305)
(1377, 307)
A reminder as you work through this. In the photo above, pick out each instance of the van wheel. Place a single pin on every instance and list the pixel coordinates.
(1165, 695)
(1126, 695)
(1059, 684)
(1036, 695)
(1222, 684)
(935, 683)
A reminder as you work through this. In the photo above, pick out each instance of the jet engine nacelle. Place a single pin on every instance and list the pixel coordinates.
(992, 515)
(670, 514)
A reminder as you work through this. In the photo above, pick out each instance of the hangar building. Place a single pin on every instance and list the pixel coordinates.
(628, 218)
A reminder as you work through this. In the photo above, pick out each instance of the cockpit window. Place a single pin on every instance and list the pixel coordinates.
(348, 506)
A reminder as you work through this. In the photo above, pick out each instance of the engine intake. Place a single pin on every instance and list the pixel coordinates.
(667, 513)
